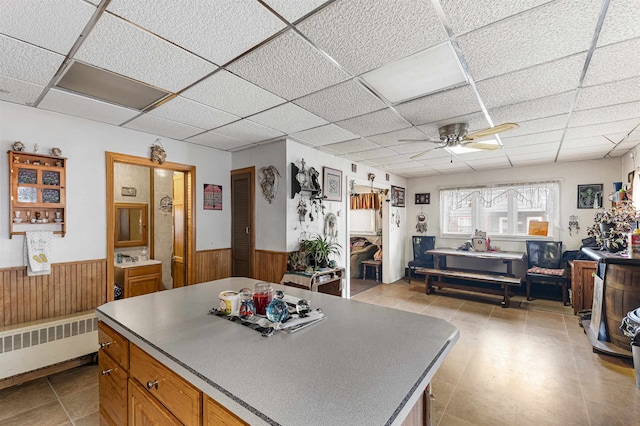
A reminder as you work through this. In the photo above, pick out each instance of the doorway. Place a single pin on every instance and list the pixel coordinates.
(242, 222)
(184, 273)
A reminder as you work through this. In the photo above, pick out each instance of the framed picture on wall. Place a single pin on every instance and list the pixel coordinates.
(212, 197)
(332, 184)
(590, 196)
(424, 198)
(397, 196)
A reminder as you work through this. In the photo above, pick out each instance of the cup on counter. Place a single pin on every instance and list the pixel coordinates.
(229, 302)
(262, 296)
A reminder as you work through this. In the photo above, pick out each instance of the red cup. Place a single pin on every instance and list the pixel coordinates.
(262, 300)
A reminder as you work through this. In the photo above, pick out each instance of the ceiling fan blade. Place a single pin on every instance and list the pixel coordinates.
(491, 131)
(483, 146)
(420, 154)
(420, 140)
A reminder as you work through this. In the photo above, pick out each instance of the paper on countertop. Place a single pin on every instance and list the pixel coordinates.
(295, 321)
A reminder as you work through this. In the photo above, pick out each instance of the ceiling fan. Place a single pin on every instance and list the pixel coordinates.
(457, 134)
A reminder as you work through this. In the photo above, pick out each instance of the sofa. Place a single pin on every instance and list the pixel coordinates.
(361, 249)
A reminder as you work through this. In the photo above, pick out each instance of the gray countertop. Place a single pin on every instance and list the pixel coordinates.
(362, 365)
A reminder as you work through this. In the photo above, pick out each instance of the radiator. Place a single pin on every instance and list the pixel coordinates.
(37, 345)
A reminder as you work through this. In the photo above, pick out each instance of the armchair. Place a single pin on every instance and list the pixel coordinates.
(421, 243)
(545, 266)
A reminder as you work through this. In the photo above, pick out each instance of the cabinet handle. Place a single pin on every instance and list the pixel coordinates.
(151, 384)
(105, 372)
(105, 344)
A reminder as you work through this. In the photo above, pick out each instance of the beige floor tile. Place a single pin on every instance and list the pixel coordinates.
(605, 415)
(82, 403)
(92, 419)
(71, 381)
(612, 394)
(481, 407)
(441, 392)
(448, 420)
(50, 414)
(548, 407)
(18, 399)
(450, 371)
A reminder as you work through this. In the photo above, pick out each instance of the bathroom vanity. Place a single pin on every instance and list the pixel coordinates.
(138, 278)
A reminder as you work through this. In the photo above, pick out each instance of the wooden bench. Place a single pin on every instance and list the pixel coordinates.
(434, 278)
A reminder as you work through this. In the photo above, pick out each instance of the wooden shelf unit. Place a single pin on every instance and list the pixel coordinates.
(38, 193)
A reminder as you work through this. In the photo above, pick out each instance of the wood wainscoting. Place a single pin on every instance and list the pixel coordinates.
(212, 265)
(270, 265)
(71, 287)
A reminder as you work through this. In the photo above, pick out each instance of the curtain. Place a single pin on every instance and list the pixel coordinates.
(365, 201)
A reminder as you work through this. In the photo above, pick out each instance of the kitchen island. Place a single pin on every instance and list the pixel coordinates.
(362, 365)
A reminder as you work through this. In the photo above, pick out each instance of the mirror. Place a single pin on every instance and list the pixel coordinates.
(131, 224)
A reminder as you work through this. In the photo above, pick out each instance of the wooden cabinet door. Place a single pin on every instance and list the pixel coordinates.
(112, 385)
(216, 414)
(582, 284)
(145, 410)
(142, 285)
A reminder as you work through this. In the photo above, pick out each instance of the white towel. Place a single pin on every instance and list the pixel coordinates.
(37, 252)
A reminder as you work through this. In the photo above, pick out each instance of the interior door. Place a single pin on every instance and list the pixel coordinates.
(242, 211)
(177, 259)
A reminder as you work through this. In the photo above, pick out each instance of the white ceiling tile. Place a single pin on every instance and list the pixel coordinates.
(328, 150)
(616, 92)
(372, 154)
(123, 48)
(289, 67)
(551, 31)
(535, 82)
(325, 135)
(354, 145)
(410, 148)
(626, 145)
(19, 92)
(440, 106)
(53, 25)
(232, 94)
(455, 167)
(533, 139)
(393, 138)
(589, 142)
(248, 131)
(294, 10)
(540, 125)
(392, 159)
(490, 163)
(216, 140)
(620, 23)
(608, 129)
(572, 155)
(218, 31)
(535, 109)
(82, 106)
(364, 34)
(601, 69)
(479, 155)
(352, 157)
(288, 118)
(404, 165)
(159, 126)
(417, 172)
(27, 63)
(548, 147)
(464, 16)
(605, 114)
(532, 158)
(195, 114)
(330, 103)
(382, 121)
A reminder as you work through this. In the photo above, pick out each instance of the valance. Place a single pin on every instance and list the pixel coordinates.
(365, 201)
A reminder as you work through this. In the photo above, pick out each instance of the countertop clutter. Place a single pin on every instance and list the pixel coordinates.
(354, 367)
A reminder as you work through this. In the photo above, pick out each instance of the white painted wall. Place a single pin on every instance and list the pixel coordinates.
(84, 143)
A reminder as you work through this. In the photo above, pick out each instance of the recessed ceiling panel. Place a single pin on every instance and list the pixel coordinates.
(216, 140)
(53, 25)
(232, 94)
(382, 121)
(294, 10)
(330, 103)
(248, 131)
(601, 69)
(551, 31)
(621, 22)
(440, 106)
(25, 62)
(616, 92)
(464, 16)
(216, 30)
(19, 92)
(354, 145)
(81, 106)
(532, 83)
(289, 67)
(288, 118)
(490, 163)
(364, 34)
(192, 113)
(393, 138)
(161, 127)
(535, 109)
(125, 49)
(605, 114)
(325, 135)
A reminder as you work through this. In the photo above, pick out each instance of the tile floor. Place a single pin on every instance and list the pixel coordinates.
(511, 366)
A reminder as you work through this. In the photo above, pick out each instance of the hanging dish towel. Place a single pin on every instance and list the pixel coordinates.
(37, 252)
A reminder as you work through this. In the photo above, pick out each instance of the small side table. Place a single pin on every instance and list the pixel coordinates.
(372, 263)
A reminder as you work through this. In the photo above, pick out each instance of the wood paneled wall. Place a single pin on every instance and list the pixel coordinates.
(270, 265)
(70, 288)
(212, 265)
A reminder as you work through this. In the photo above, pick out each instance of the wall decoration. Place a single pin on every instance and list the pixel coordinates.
(331, 226)
(397, 196)
(304, 179)
(589, 196)
(421, 226)
(212, 197)
(424, 198)
(128, 191)
(166, 205)
(158, 154)
(332, 182)
(269, 179)
(354, 168)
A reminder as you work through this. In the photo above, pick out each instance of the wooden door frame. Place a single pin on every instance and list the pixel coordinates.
(252, 190)
(190, 177)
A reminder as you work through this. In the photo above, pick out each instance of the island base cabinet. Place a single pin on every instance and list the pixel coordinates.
(112, 385)
(145, 410)
(216, 414)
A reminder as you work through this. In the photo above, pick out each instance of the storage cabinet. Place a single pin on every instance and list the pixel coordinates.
(113, 363)
(582, 284)
(138, 280)
(215, 414)
(38, 193)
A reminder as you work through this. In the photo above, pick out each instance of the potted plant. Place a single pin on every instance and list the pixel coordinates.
(319, 249)
(612, 227)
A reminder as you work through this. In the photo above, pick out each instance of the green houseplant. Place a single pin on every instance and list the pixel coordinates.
(319, 249)
(611, 227)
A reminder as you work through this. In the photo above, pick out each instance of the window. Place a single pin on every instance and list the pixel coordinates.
(504, 210)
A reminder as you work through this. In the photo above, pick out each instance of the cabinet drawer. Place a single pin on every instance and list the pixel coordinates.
(143, 270)
(112, 343)
(112, 384)
(216, 414)
(145, 410)
(179, 397)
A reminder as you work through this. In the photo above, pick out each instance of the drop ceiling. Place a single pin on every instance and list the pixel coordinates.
(240, 73)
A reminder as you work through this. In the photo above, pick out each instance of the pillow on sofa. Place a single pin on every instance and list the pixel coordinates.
(359, 242)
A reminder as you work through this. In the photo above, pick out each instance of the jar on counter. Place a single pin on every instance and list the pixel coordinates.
(247, 307)
(262, 296)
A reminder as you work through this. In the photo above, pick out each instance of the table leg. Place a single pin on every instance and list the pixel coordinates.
(364, 271)
(377, 273)
(505, 300)
(509, 264)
